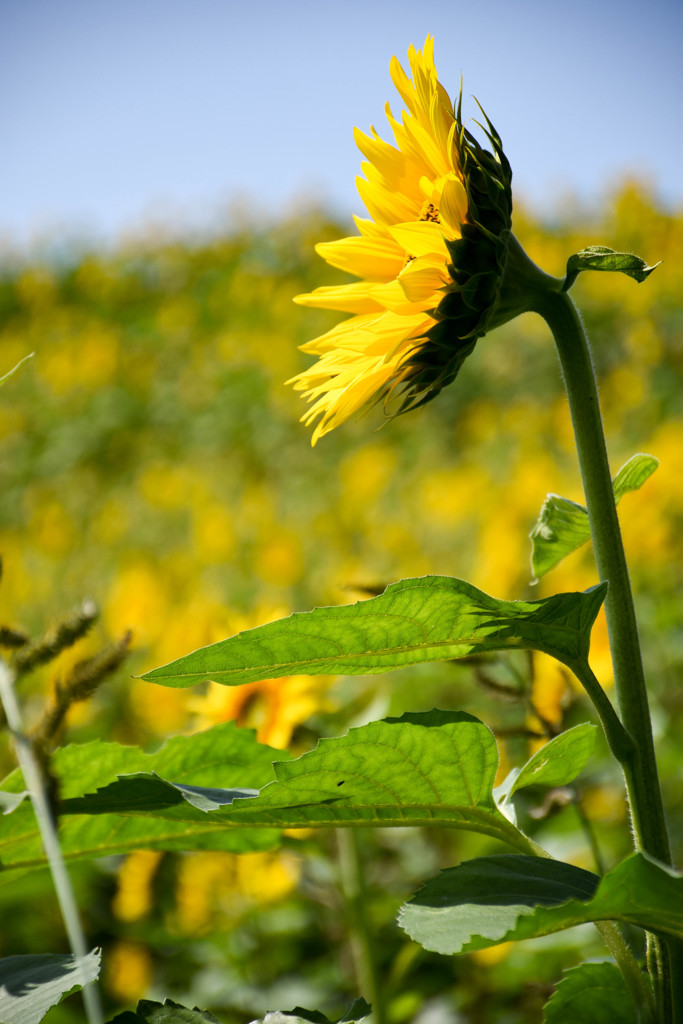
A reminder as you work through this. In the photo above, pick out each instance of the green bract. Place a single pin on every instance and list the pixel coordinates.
(478, 261)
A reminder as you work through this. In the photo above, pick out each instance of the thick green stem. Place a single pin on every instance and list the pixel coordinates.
(640, 766)
(645, 798)
(362, 941)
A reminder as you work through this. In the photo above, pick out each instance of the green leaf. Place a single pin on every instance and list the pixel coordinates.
(14, 369)
(633, 474)
(10, 801)
(592, 994)
(600, 257)
(563, 525)
(433, 618)
(357, 1012)
(168, 1012)
(561, 529)
(218, 756)
(432, 768)
(31, 985)
(496, 899)
(559, 761)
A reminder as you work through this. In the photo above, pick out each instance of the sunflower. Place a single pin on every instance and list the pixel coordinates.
(430, 258)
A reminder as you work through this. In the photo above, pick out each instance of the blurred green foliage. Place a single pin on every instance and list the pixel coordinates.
(152, 459)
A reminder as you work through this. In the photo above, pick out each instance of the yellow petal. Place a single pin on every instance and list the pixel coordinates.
(369, 228)
(347, 298)
(423, 278)
(391, 164)
(419, 238)
(338, 335)
(383, 205)
(453, 206)
(375, 259)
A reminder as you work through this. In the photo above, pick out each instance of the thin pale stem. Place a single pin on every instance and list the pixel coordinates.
(589, 832)
(35, 783)
(362, 941)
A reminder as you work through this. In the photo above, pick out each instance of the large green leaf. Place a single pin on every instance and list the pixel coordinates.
(563, 525)
(220, 756)
(592, 994)
(428, 619)
(433, 768)
(559, 761)
(495, 899)
(30, 985)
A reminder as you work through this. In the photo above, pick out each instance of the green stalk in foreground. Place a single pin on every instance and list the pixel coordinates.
(35, 783)
(363, 953)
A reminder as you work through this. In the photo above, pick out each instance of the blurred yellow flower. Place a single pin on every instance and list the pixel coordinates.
(214, 885)
(134, 896)
(550, 692)
(128, 971)
(416, 314)
(273, 707)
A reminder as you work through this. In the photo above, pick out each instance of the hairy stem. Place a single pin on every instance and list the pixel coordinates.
(35, 783)
(639, 764)
(636, 982)
(645, 797)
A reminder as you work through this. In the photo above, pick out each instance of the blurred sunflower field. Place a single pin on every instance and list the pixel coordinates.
(153, 461)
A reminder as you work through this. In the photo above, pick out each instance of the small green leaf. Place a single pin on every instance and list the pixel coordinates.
(562, 528)
(357, 1012)
(435, 768)
(592, 994)
(14, 369)
(31, 985)
(559, 761)
(563, 525)
(168, 1012)
(433, 618)
(600, 257)
(10, 801)
(497, 899)
(218, 756)
(633, 474)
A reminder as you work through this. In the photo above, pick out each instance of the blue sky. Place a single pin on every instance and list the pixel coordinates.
(115, 114)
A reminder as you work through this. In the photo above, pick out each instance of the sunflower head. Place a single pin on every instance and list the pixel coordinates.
(430, 260)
